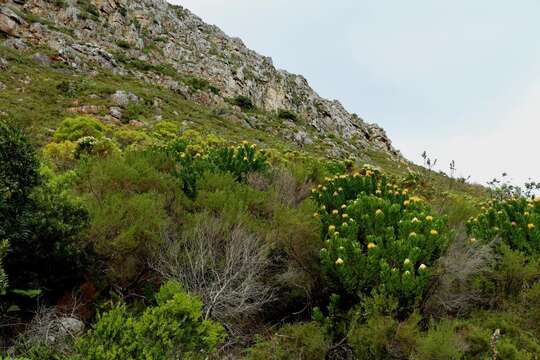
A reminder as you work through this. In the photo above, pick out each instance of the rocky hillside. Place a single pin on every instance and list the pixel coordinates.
(167, 45)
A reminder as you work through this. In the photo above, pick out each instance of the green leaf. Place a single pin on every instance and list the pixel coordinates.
(30, 293)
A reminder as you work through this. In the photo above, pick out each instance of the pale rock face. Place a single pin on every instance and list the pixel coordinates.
(184, 42)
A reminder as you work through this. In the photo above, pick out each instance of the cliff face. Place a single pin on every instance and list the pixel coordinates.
(93, 34)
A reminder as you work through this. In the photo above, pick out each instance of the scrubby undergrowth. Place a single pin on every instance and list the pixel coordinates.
(173, 239)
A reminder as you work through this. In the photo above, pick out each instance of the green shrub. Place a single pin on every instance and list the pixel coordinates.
(299, 341)
(382, 337)
(377, 237)
(166, 130)
(89, 145)
(74, 128)
(131, 201)
(132, 138)
(123, 44)
(173, 329)
(440, 342)
(516, 221)
(239, 160)
(50, 256)
(60, 155)
(18, 177)
(287, 114)
(243, 102)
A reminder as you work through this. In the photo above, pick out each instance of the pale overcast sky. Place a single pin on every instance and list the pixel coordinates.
(459, 79)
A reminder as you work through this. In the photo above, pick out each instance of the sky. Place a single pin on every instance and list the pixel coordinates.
(459, 79)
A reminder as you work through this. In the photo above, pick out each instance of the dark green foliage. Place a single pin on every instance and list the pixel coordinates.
(287, 114)
(123, 44)
(244, 102)
(50, 256)
(173, 329)
(201, 84)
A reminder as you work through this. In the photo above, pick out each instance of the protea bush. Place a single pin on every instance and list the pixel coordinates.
(515, 221)
(377, 236)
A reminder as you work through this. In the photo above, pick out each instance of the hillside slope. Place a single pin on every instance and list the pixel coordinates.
(167, 45)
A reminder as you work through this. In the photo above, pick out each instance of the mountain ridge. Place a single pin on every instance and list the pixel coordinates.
(88, 35)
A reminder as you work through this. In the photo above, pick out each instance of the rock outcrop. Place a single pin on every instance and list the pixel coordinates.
(124, 36)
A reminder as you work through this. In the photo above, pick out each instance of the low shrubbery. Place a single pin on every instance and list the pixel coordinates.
(172, 329)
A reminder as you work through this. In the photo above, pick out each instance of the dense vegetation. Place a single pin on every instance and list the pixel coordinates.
(122, 241)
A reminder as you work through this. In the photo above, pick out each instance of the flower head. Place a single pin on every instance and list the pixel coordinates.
(531, 226)
(379, 212)
(406, 203)
(332, 228)
(415, 220)
(429, 218)
(345, 216)
(339, 261)
(434, 232)
(371, 245)
(422, 267)
(412, 234)
(407, 262)
(335, 212)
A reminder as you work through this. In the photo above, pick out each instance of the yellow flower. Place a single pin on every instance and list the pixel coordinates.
(336, 234)
(434, 232)
(345, 224)
(422, 267)
(316, 215)
(531, 226)
(405, 191)
(526, 213)
(356, 175)
(339, 261)
(413, 234)
(323, 207)
(369, 173)
(406, 203)
(313, 191)
(415, 199)
(331, 228)
(335, 212)
(371, 245)
(379, 212)
(407, 273)
(335, 193)
(407, 262)
(345, 216)
(340, 189)
(245, 158)
(324, 188)
(378, 192)
(343, 206)
(429, 218)
(472, 240)
(415, 220)
(514, 223)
